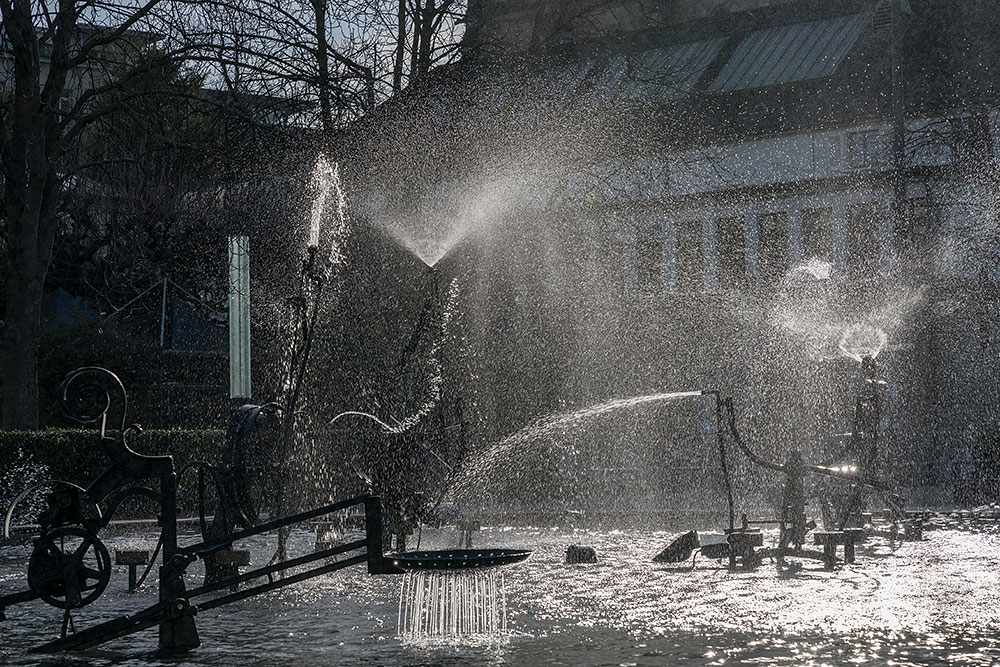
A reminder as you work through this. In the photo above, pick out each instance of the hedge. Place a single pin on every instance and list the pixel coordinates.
(75, 455)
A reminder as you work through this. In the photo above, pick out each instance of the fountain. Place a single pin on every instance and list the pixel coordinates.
(432, 605)
(706, 597)
(70, 566)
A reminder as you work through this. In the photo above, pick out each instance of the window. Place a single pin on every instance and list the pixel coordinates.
(731, 245)
(817, 234)
(707, 408)
(649, 258)
(863, 246)
(773, 247)
(962, 141)
(914, 236)
(690, 256)
(889, 419)
(863, 150)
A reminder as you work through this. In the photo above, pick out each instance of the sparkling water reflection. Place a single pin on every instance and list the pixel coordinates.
(932, 602)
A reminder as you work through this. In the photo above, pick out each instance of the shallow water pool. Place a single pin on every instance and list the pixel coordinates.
(918, 603)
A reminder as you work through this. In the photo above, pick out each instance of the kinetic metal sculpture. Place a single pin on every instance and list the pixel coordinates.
(854, 471)
(70, 566)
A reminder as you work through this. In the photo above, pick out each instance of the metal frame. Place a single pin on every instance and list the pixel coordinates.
(87, 396)
(863, 445)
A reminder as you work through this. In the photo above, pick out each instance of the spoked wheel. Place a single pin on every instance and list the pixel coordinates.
(69, 568)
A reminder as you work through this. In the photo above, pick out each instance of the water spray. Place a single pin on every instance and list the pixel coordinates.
(854, 471)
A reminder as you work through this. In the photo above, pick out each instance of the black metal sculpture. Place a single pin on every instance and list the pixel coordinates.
(70, 566)
(854, 470)
(457, 559)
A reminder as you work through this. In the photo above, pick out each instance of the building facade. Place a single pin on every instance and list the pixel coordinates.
(744, 196)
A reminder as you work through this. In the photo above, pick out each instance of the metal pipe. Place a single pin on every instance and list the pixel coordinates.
(742, 445)
(204, 548)
(819, 470)
(275, 568)
(280, 583)
(722, 455)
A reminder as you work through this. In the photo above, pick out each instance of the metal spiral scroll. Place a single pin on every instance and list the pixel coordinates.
(86, 397)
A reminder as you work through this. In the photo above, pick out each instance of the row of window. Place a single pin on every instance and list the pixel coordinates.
(692, 246)
(870, 149)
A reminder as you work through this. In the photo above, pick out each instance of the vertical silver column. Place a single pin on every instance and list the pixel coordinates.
(239, 317)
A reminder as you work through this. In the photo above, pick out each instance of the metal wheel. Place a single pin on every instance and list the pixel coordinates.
(69, 568)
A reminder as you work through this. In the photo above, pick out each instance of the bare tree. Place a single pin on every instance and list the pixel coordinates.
(56, 61)
(329, 62)
(337, 60)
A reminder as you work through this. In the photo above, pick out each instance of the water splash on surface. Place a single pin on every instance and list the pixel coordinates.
(862, 340)
(20, 474)
(317, 293)
(471, 207)
(812, 269)
(328, 218)
(447, 605)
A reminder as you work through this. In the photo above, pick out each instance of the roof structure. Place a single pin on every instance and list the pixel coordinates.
(790, 53)
(652, 76)
(667, 74)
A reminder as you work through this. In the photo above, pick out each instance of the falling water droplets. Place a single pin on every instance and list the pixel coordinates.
(467, 605)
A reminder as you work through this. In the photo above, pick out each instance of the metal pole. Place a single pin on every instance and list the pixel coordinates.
(163, 311)
(722, 455)
(239, 317)
(898, 102)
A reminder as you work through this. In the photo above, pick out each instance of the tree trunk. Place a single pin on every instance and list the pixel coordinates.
(20, 347)
(426, 37)
(397, 65)
(323, 66)
(31, 220)
(31, 149)
(418, 13)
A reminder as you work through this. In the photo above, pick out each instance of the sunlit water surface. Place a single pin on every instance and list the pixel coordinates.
(933, 602)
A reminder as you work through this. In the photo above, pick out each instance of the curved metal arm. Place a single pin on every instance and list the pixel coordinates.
(356, 413)
(742, 445)
(221, 490)
(86, 398)
(19, 497)
(818, 470)
(114, 500)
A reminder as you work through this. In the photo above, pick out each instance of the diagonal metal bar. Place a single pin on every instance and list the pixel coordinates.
(277, 567)
(151, 616)
(16, 598)
(103, 632)
(82, 549)
(288, 581)
(205, 548)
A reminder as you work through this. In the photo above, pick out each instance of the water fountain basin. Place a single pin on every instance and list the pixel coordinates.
(456, 559)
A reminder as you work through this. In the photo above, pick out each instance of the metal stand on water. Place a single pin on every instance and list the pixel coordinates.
(452, 604)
